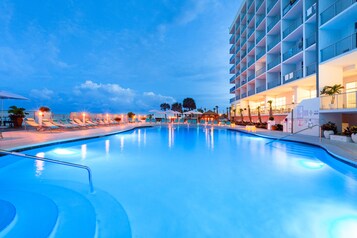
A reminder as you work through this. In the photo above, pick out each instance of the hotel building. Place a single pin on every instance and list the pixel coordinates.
(286, 51)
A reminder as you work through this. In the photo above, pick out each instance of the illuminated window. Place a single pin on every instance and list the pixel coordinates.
(280, 102)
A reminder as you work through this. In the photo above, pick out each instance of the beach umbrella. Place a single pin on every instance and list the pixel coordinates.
(8, 95)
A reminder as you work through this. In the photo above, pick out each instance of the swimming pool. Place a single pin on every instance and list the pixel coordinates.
(180, 181)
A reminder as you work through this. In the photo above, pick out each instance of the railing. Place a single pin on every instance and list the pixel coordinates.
(250, 31)
(250, 62)
(231, 50)
(261, 88)
(231, 70)
(251, 92)
(311, 11)
(250, 4)
(243, 41)
(346, 100)
(251, 77)
(232, 89)
(231, 60)
(274, 42)
(54, 162)
(231, 40)
(250, 18)
(258, 4)
(231, 80)
(335, 9)
(340, 47)
(272, 4)
(292, 27)
(243, 82)
(259, 19)
(293, 75)
(244, 54)
(250, 47)
(244, 95)
(243, 28)
(311, 40)
(243, 15)
(260, 54)
(244, 68)
(274, 83)
(311, 69)
(278, 109)
(275, 20)
(260, 71)
(238, 49)
(259, 36)
(274, 62)
(232, 99)
(288, 6)
(293, 51)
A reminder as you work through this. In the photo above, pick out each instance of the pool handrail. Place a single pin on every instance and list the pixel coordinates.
(91, 189)
(280, 138)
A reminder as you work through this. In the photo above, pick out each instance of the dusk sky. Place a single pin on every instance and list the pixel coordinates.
(115, 56)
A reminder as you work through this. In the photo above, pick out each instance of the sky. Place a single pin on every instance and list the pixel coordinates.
(115, 56)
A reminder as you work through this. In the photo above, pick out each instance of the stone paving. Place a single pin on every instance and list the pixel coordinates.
(22, 138)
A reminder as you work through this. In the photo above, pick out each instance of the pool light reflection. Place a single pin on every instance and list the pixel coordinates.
(61, 151)
(344, 227)
(308, 164)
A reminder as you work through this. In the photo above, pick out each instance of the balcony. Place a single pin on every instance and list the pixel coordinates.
(250, 47)
(243, 41)
(259, 19)
(251, 92)
(231, 60)
(261, 88)
(250, 62)
(232, 99)
(274, 84)
(244, 54)
(311, 11)
(251, 77)
(243, 82)
(231, 50)
(335, 9)
(274, 42)
(231, 80)
(288, 6)
(272, 5)
(250, 31)
(243, 68)
(343, 101)
(232, 39)
(244, 95)
(242, 17)
(258, 4)
(311, 40)
(250, 4)
(311, 69)
(231, 71)
(292, 27)
(232, 89)
(250, 18)
(340, 47)
(293, 76)
(243, 28)
(260, 71)
(259, 37)
(273, 22)
(260, 54)
(274, 62)
(293, 51)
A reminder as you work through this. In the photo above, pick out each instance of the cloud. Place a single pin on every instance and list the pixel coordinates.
(193, 10)
(44, 94)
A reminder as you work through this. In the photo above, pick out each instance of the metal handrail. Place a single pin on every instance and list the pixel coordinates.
(54, 162)
(276, 139)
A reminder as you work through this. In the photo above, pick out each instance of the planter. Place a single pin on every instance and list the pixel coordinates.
(328, 133)
(354, 137)
(340, 138)
(270, 124)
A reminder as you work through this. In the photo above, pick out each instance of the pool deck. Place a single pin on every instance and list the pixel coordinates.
(20, 139)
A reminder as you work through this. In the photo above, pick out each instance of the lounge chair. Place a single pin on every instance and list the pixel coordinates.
(69, 124)
(62, 125)
(31, 122)
(215, 122)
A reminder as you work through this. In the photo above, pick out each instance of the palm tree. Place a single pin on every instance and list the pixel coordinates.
(249, 114)
(241, 114)
(332, 91)
(189, 103)
(271, 118)
(259, 117)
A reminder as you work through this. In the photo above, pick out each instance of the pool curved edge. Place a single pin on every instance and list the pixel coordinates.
(334, 155)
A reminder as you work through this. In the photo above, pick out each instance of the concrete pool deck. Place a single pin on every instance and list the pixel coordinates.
(14, 140)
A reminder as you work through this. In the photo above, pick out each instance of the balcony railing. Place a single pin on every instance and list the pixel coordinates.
(232, 99)
(250, 4)
(273, 22)
(232, 89)
(274, 42)
(244, 95)
(231, 80)
(231, 60)
(293, 75)
(231, 70)
(259, 36)
(261, 88)
(274, 83)
(272, 5)
(335, 9)
(260, 71)
(311, 40)
(243, 68)
(243, 29)
(243, 82)
(251, 92)
(311, 11)
(293, 51)
(274, 62)
(278, 109)
(231, 40)
(231, 50)
(250, 62)
(250, 31)
(340, 101)
(251, 77)
(244, 54)
(250, 18)
(258, 4)
(340, 47)
(311, 69)
(259, 19)
(292, 27)
(242, 17)
(250, 47)
(243, 41)
(260, 53)
(288, 6)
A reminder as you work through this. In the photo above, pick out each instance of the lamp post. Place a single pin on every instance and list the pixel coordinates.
(40, 115)
(84, 118)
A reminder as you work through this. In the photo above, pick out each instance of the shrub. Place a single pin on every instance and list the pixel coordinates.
(329, 126)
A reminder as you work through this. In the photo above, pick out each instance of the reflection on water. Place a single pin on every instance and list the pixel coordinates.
(84, 151)
(39, 164)
(139, 137)
(171, 136)
(209, 135)
(107, 146)
(121, 143)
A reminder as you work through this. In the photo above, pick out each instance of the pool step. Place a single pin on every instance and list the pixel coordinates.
(36, 215)
(296, 149)
(7, 214)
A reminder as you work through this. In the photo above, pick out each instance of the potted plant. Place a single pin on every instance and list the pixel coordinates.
(332, 91)
(17, 115)
(328, 129)
(353, 130)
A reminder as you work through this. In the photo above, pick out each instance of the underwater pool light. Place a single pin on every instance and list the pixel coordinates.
(311, 164)
(344, 227)
(61, 151)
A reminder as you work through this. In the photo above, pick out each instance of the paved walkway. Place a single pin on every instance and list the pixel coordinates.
(21, 139)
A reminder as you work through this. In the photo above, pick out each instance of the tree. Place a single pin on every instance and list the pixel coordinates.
(271, 118)
(177, 107)
(189, 104)
(241, 114)
(259, 117)
(216, 109)
(164, 106)
(200, 110)
(131, 115)
(249, 114)
(331, 91)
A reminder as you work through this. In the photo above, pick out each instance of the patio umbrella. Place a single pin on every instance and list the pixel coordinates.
(8, 95)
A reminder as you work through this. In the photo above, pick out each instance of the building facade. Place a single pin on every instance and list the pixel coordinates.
(286, 51)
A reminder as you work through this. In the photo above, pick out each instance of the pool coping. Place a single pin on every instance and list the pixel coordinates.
(334, 155)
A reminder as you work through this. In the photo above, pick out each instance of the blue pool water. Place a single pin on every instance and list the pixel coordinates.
(190, 182)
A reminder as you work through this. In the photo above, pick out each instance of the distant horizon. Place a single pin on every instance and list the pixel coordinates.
(115, 56)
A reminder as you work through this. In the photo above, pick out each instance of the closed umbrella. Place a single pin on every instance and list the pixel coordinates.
(8, 95)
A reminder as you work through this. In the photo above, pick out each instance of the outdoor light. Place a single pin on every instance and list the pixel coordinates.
(84, 117)
(40, 113)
